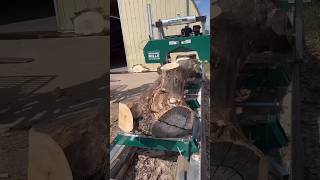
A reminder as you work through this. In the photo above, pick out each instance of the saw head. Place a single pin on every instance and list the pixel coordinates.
(189, 40)
(158, 51)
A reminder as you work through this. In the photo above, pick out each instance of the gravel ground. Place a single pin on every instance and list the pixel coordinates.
(310, 82)
(14, 155)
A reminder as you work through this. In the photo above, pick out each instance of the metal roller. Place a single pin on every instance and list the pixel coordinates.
(178, 21)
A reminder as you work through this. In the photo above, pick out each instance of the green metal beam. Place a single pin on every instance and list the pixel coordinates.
(182, 146)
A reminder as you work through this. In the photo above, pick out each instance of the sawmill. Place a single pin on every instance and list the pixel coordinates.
(254, 125)
(168, 116)
(252, 131)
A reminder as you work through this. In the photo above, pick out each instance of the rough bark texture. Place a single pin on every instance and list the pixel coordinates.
(162, 110)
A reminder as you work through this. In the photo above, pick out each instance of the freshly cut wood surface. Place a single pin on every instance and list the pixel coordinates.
(46, 159)
(83, 137)
(89, 22)
(169, 66)
(125, 118)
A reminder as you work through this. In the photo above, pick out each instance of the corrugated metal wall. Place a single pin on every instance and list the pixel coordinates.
(134, 22)
(65, 10)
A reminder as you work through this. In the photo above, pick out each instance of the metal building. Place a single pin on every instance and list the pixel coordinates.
(134, 24)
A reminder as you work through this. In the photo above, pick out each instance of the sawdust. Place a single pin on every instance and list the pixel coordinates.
(148, 167)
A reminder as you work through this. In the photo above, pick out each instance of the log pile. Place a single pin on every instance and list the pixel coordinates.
(162, 110)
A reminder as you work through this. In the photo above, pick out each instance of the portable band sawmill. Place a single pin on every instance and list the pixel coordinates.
(191, 44)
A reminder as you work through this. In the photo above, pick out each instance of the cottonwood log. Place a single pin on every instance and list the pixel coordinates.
(81, 135)
(89, 22)
(46, 159)
(162, 110)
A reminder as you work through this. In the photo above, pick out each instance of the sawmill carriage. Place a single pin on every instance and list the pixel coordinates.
(254, 90)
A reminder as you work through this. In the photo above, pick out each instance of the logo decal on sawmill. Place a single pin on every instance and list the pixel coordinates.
(173, 43)
(187, 41)
(154, 55)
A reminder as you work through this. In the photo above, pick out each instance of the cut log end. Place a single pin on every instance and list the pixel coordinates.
(170, 66)
(46, 159)
(176, 122)
(125, 119)
(89, 22)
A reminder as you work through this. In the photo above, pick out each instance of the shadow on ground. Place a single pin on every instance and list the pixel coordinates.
(17, 87)
(22, 110)
(118, 93)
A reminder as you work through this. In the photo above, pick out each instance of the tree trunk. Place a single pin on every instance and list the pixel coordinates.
(162, 111)
(82, 137)
(46, 159)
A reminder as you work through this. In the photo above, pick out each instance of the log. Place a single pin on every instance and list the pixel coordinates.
(125, 120)
(162, 111)
(82, 136)
(238, 161)
(88, 22)
(46, 159)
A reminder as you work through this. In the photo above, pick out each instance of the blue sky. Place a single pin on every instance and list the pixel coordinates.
(204, 7)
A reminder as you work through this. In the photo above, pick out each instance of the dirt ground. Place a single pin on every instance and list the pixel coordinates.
(123, 88)
(46, 88)
(310, 82)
